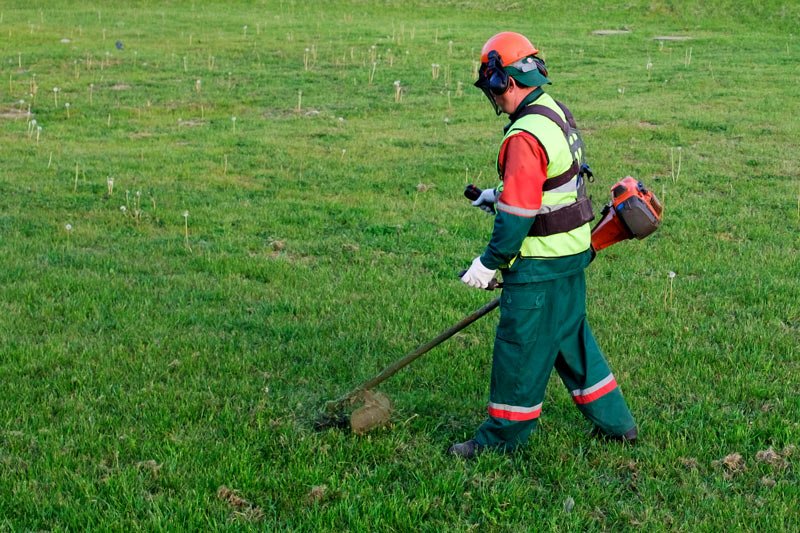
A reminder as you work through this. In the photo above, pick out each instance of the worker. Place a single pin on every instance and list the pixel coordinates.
(541, 245)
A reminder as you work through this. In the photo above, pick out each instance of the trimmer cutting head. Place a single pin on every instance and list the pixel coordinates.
(375, 412)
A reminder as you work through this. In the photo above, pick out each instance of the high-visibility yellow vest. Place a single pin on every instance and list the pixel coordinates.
(552, 139)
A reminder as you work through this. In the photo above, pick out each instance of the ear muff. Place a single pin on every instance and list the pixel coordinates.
(496, 76)
(540, 66)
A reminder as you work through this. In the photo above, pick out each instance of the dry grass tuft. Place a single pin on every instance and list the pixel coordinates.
(241, 507)
(772, 458)
(317, 493)
(732, 463)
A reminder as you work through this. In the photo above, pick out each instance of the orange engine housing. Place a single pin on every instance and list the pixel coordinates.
(634, 211)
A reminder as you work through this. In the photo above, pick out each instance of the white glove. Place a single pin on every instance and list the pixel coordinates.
(478, 276)
(486, 200)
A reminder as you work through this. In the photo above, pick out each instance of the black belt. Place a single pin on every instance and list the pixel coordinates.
(565, 219)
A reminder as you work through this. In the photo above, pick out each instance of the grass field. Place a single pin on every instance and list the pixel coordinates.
(181, 290)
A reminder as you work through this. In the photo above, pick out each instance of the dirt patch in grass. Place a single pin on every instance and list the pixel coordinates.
(191, 123)
(12, 113)
(611, 32)
(671, 38)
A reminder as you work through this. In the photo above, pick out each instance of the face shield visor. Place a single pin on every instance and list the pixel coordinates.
(492, 79)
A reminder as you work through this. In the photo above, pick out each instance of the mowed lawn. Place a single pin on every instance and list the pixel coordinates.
(216, 216)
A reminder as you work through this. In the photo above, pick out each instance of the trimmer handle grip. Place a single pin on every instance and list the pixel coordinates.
(473, 193)
(494, 284)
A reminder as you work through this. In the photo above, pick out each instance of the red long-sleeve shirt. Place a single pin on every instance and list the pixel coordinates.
(523, 168)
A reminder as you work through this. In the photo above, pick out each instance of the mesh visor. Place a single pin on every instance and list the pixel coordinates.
(483, 85)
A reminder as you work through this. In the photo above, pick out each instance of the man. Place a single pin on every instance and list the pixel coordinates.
(541, 244)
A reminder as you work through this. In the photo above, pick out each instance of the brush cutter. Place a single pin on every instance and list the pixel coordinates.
(633, 211)
(377, 408)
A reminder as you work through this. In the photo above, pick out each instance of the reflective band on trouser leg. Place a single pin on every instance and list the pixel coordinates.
(514, 412)
(598, 390)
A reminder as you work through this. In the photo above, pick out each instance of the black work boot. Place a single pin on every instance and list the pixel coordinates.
(629, 436)
(467, 450)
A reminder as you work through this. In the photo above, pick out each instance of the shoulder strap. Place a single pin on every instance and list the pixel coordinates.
(545, 111)
(537, 109)
(567, 113)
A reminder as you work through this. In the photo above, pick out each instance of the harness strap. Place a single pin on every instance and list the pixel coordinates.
(537, 109)
(575, 214)
(562, 179)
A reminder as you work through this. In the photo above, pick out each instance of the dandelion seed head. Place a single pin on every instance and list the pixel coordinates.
(186, 214)
(671, 274)
(123, 208)
(68, 227)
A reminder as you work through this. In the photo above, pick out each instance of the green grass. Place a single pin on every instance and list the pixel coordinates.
(141, 371)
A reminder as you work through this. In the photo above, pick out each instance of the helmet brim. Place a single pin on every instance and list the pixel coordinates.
(532, 78)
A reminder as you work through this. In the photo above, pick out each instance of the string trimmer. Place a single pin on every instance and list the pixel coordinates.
(377, 408)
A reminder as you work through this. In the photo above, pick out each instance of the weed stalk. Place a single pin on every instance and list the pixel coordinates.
(186, 230)
(675, 172)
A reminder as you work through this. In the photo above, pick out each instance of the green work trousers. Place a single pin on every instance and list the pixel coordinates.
(543, 325)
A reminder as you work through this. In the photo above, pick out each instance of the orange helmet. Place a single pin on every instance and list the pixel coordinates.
(509, 55)
(510, 46)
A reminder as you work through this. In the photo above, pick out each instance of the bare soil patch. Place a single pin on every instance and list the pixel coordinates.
(611, 32)
(12, 113)
(671, 38)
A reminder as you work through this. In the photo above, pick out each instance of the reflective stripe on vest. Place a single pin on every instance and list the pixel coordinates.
(559, 156)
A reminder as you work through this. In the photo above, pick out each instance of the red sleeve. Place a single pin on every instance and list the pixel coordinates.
(523, 168)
